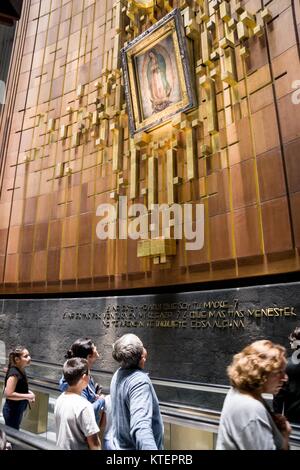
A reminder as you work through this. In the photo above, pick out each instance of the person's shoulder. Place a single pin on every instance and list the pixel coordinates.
(76, 397)
(14, 371)
(69, 397)
(78, 400)
(60, 398)
(244, 401)
(241, 409)
(117, 372)
(81, 401)
(139, 375)
(82, 405)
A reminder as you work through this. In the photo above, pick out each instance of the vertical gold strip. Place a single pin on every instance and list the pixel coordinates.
(211, 103)
(67, 181)
(134, 162)
(117, 146)
(190, 152)
(33, 144)
(255, 159)
(206, 45)
(170, 175)
(152, 181)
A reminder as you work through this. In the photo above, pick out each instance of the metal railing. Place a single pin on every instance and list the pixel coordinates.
(21, 440)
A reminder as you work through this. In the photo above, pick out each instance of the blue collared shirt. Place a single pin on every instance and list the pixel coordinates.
(136, 418)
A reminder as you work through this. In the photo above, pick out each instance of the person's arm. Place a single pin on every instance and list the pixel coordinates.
(10, 393)
(284, 427)
(256, 435)
(89, 427)
(141, 413)
(93, 442)
(279, 399)
(286, 436)
(102, 424)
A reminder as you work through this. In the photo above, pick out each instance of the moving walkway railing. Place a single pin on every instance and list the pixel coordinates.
(215, 388)
(21, 440)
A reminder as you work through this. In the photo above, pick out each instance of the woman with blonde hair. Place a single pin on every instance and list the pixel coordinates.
(247, 423)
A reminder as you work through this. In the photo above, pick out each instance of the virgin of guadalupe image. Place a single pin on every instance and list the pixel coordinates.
(159, 86)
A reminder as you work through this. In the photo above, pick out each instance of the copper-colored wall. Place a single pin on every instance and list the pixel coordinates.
(249, 183)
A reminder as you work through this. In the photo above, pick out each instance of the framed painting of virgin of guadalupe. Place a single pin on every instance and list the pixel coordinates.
(157, 74)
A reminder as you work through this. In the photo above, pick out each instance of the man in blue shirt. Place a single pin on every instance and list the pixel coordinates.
(136, 418)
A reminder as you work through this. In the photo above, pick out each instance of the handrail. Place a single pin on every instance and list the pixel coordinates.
(30, 440)
(165, 382)
(187, 385)
(197, 386)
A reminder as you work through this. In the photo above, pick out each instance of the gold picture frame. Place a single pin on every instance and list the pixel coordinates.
(157, 74)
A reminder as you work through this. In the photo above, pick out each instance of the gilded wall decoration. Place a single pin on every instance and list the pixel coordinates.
(69, 147)
(157, 74)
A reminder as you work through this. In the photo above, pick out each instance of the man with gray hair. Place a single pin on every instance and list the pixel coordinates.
(136, 419)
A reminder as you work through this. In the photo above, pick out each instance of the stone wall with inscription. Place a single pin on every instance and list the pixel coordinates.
(190, 336)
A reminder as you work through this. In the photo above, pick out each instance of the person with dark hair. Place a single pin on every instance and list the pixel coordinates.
(86, 349)
(247, 422)
(287, 401)
(135, 414)
(16, 389)
(74, 415)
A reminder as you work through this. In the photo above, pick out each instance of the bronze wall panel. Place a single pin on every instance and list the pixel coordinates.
(3, 237)
(271, 175)
(24, 267)
(247, 232)
(220, 235)
(2, 265)
(39, 266)
(53, 265)
(100, 259)
(292, 153)
(243, 184)
(85, 261)
(41, 235)
(13, 239)
(276, 226)
(246, 171)
(295, 199)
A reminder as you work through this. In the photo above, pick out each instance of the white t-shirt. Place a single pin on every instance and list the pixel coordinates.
(246, 425)
(75, 421)
(108, 426)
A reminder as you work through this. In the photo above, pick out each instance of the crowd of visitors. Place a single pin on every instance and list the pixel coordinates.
(129, 417)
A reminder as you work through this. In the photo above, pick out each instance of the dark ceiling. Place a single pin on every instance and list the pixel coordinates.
(10, 10)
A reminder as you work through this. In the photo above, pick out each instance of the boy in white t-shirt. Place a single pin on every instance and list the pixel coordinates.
(76, 427)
